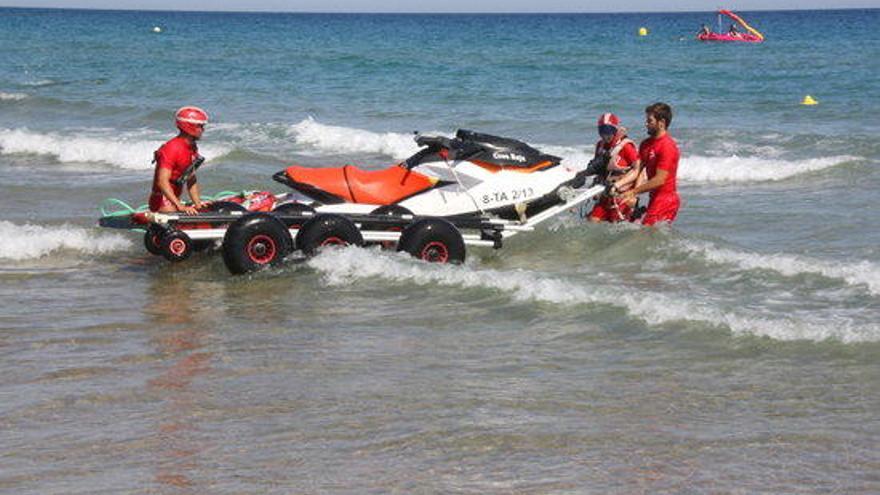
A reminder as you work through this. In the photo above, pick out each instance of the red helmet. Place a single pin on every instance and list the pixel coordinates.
(609, 123)
(191, 120)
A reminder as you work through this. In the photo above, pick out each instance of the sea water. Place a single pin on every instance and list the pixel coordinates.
(733, 352)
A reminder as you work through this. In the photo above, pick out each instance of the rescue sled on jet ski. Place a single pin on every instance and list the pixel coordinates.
(470, 190)
(178, 243)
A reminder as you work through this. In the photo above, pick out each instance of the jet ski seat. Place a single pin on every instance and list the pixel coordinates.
(355, 185)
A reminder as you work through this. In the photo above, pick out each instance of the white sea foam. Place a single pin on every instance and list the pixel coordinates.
(576, 155)
(732, 169)
(25, 242)
(863, 273)
(130, 151)
(340, 267)
(13, 96)
(695, 168)
(335, 139)
(722, 170)
(338, 139)
(41, 83)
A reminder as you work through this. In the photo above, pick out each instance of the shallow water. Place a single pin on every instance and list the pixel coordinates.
(736, 352)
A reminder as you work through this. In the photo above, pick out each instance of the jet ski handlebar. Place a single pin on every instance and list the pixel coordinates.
(458, 150)
(433, 141)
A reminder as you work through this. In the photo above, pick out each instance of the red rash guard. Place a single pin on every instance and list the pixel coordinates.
(175, 155)
(661, 154)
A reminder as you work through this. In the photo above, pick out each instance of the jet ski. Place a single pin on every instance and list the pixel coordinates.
(471, 174)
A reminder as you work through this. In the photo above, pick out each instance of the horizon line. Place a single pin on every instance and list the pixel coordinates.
(382, 12)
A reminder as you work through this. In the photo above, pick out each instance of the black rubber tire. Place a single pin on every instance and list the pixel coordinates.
(434, 240)
(293, 209)
(153, 239)
(393, 211)
(327, 229)
(255, 241)
(225, 207)
(176, 246)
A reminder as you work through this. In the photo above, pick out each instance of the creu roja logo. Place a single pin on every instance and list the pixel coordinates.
(511, 157)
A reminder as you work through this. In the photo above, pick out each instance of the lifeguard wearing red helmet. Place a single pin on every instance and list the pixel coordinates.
(191, 120)
(617, 162)
(176, 162)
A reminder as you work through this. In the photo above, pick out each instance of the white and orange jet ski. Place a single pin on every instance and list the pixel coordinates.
(470, 174)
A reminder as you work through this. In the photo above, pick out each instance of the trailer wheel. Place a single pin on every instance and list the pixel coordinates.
(176, 246)
(393, 211)
(434, 240)
(153, 239)
(293, 209)
(223, 208)
(327, 230)
(255, 241)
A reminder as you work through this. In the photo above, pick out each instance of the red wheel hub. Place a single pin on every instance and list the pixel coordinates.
(435, 252)
(177, 247)
(261, 249)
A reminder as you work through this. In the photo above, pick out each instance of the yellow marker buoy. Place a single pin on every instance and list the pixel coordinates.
(809, 100)
(157, 29)
(643, 31)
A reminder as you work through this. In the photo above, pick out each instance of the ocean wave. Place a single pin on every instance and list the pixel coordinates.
(733, 169)
(340, 267)
(695, 168)
(336, 139)
(42, 83)
(863, 273)
(13, 96)
(27, 242)
(129, 151)
(569, 154)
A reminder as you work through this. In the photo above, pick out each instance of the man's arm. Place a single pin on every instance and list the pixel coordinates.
(631, 156)
(163, 181)
(630, 176)
(652, 184)
(195, 192)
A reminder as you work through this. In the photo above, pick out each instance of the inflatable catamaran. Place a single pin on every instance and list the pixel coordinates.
(751, 35)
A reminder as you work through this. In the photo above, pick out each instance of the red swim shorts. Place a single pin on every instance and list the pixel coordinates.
(662, 209)
(158, 202)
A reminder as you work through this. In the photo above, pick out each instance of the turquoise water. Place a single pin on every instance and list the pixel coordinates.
(736, 352)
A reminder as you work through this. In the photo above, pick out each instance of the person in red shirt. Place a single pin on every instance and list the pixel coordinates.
(175, 159)
(659, 155)
(622, 169)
